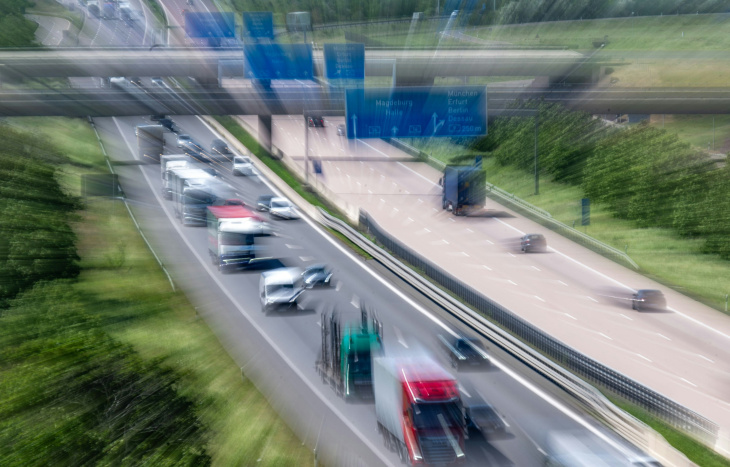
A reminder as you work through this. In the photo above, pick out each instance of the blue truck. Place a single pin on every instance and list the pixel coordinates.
(464, 188)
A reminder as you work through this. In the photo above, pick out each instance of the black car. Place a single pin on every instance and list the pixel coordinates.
(316, 275)
(465, 352)
(169, 124)
(157, 117)
(316, 121)
(484, 418)
(263, 203)
(533, 242)
(647, 299)
(220, 148)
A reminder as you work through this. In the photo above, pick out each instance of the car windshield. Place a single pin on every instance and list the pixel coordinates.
(183, 138)
(360, 362)
(242, 160)
(197, 197)
(279, 204)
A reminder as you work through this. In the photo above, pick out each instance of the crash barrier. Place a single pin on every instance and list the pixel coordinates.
(530, 211)
(588, 397)
(565, 366)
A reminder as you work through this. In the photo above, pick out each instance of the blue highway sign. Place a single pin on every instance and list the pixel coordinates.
(278, 61)
(416, 112)
(344, 61)
(258, 25)
(209, 25)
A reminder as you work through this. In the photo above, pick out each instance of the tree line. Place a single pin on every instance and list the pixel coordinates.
(70, 394)
(643, 174)
(15, 29)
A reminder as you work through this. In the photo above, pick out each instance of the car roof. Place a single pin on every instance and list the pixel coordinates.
(280, 199)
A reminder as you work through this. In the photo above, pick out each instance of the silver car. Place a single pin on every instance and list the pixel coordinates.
(282, 208)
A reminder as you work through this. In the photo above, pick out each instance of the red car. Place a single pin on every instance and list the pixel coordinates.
(316, 121)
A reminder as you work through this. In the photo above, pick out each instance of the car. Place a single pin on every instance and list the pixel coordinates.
(647, 299)
(484, 418)
(183, 139)
(157, 81)
(242, 165)
(220, 148)
(282, 208)
(280, 288)
(263, 203)
(136, 80)
(341, 129)
(317, 275)
(464, 351)
(169, 124)
(533, 243)
(316, 121)
(157, 117)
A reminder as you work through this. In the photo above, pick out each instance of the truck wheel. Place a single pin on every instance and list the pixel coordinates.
(449, 206)
(403, 453)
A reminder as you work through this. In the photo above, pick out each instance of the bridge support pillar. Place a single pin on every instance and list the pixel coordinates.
(265, 132)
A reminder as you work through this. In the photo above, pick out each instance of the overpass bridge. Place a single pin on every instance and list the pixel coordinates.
(101, 102)
(407, 67)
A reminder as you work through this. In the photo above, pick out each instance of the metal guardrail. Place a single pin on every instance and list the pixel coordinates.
(566, 357)
(544, 218)
(531, 211)
(585, 395)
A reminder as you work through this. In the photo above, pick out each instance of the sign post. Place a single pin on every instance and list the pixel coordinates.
(416, 112)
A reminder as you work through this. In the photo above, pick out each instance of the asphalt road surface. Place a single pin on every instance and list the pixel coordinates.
(278, 351)
(570, 292)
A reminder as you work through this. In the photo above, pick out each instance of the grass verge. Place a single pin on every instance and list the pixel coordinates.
(278, 167)
(661, 254)
(53, 8)
(135, 304)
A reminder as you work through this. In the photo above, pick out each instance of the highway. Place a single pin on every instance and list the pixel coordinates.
(230, 304)
(570, 292)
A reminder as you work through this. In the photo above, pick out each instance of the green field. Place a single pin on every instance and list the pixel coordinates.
(697, 130)
(660, 253)
(136, 305)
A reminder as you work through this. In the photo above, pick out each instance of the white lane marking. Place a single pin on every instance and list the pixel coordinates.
(486, 267)
(504, 368)
(571, 316)
(535, 268)
(399, 337)
(563, 283)
(469, 230)
(292, 247)
(450, 218)
(705, 358)
(591, 298)
(688, 382)
(306, 259)
(259, 329)
(319, 325)
(542, 300)
(399, 163)
(644, 357)
(420, 200)
(607, 337)
(512, 282)
(369, 190)
(662, 335)
(338, 286)
(445, 242)
(696, 321)
(461, 389)
(511, 254)
(465, 253)
(623, 315)
(355, 301)
(490, 242)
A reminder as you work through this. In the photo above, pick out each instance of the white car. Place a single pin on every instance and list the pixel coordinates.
(280, 288)
(283, 209)
(242, 165)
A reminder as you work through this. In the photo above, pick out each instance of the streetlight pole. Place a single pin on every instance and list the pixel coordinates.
(306, 149)
(537, 165)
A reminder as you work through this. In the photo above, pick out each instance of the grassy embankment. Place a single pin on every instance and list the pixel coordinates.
(53, 8)
(660, 253)
(121, 280)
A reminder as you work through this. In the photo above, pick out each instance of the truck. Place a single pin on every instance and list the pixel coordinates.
(150, 142)
(463, 188)
(345, 359)
(168, 163)
(419, 410)
(192, 193)
(231, 233)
